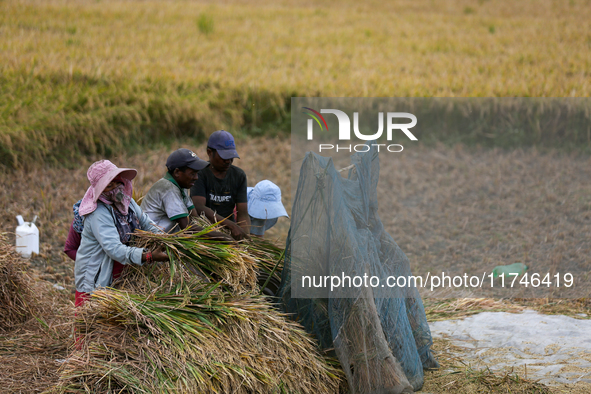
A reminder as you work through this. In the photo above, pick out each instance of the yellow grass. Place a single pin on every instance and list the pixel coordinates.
(344, 48)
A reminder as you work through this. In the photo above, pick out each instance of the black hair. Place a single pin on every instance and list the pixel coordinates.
(213, 151)
(182, 169)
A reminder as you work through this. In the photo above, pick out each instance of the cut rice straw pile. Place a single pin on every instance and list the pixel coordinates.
(32, 329)
(455, 376)
(17, 300)
(459, 308)
(166, 330)
(269, 257)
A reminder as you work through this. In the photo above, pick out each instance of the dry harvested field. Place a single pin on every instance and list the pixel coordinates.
(459, 209)
(466, 210)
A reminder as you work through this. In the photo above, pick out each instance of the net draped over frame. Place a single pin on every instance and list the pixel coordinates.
(382, 342)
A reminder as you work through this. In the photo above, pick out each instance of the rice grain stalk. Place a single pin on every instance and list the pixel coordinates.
(194, 340)
(266, 253)
(269, 256)
(230, 262)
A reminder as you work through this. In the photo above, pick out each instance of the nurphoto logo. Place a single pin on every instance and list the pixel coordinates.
(345, 129)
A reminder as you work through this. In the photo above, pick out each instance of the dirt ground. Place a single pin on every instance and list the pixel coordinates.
(453, 209)
(463, 210)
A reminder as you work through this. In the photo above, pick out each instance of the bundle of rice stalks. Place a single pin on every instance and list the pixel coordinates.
(17, 300)
(229, 262)
(202, 221)
(192, 339)
(269, 257)
(167, 330)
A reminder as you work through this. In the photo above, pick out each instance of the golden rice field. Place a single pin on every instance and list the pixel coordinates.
(96, 76)
(334, 48)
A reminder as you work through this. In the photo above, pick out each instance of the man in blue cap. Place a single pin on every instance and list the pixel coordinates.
(220, 190)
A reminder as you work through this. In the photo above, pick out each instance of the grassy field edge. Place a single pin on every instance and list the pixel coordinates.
(59, 118)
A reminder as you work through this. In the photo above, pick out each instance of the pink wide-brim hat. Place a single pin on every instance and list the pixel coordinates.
(100, 174)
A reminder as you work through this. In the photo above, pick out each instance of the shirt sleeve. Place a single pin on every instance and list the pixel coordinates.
(146, 223)
(189, 203)
(72, 243)
(173, 204)
(241, 196)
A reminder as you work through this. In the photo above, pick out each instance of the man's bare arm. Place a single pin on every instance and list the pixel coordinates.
(237, 232)
(242, 217)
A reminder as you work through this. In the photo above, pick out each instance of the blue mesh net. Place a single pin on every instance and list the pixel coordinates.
(383, 343)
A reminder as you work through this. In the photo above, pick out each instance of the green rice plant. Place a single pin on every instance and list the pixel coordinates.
(205, 24)
(61, 118)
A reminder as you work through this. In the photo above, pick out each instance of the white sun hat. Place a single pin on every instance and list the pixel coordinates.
(264, 201)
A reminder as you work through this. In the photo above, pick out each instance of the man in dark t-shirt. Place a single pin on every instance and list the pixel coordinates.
(221, 187)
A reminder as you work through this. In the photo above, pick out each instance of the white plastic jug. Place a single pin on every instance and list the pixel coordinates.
(27, 237)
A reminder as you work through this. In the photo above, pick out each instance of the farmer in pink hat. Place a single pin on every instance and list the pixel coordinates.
(110, 217)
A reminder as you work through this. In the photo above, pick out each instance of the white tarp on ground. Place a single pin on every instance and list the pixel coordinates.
(556, 349)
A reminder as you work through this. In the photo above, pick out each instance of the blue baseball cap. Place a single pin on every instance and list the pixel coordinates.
(223, 143)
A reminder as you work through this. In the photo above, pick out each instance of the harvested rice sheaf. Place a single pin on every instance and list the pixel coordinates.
(229, 262)
(192, 340)
(167, 330)
(268, 256)
(17, 300)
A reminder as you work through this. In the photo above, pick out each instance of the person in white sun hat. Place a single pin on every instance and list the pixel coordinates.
(264, 207)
